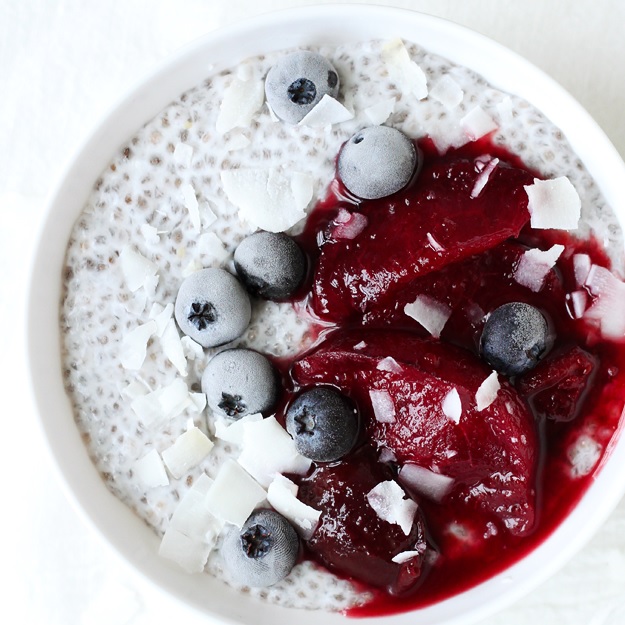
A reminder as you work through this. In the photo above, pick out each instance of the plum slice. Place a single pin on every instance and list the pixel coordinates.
(490, 454)
(438, 220)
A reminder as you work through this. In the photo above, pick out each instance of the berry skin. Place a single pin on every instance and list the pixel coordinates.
(238, 382)
(271, 266)
(297, 82)
(515, 337)
(323, 424)
(263, 551)
(377, 162)
(212, 307)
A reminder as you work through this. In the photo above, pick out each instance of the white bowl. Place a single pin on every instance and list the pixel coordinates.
(329, 24)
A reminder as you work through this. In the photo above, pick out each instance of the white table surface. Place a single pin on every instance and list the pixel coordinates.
(63, 63)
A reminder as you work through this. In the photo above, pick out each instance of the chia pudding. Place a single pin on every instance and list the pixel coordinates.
(165, 208)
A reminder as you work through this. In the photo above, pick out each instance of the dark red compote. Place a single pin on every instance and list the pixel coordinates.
(493, 462)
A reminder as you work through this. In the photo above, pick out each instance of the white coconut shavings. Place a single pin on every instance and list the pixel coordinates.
(360, 345)
(172, 347)
(189, 199)
(505, 109)
(378, 113)
(192, 531)
(583, 455)
(535, 265)
(553, 204)
(192, 350)
(136, 304)
(326, 112)
(389, 502)
(134, 345)
(608, 306)
(408, 76)
(581, 267)
(389, 364)
(198, 401)
(434, 486)
(482, 180)
(237, 140)
(578, 303)
(162, 315)
(477, 123)
(149, 471)
(232, 431)
(383, 406)
(136, 268)
(268, 450)
(405, 556)
(241, 101)
(136, 388)
(447, 91)
(150, 234)
(434, 244)
(234, 494)
(155, 409)
(282, 495)
(212, 249)
(432, 315)
(268, 198)
(183, 153)
(189, 449)
(452, 406)
(487, 392)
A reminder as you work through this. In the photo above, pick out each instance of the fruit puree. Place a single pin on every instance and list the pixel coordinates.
(166, 206)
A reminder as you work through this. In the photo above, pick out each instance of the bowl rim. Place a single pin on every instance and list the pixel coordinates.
(141, 103)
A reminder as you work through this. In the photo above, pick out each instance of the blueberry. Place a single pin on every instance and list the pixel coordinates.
(238, 382)
(323, 424)
(270, 265)
(514, 338)
(212, 307)
(263, 551)
(297, 82)
(376, 162)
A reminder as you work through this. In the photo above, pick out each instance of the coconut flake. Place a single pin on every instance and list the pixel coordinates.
(150, 234)
(389, 502)
(268, 198)
(487, 392)
(190, 554)
(172, 347)
(282, 495)
(207, 215)
(553, 204)
(581, 267)
(268, 450)
(136, 268)
(360, 345)
(608, 307)
(383, 406)
(535, 265)
(448, 92)
(477, 123)
(348, 225)
(452, 406)
(190, 202)
(326, 112)
(134, 345)
(241, 101)
(135, 305)
(407, 75)
(187, 452)
(136, 388)
(434, 244)
(198, 401)
(505, 109)
(405, 556)
(192, 350)
(234, 494)
(232, 431)
(237, 141)
(434, 486)
(161, 315)
(380, 112)
(149, 471)
(210, 245)
(389, 364)
(160, 406)
(482, 180)
(579, 303)
(183, 154)
(432, 315)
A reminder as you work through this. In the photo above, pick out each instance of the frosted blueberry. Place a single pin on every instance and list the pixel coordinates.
(263, 551)
(297, 82)
(212, 307)
(323, 424)
(270, 265)
(376, 162)
(238, 382)
(514, 338)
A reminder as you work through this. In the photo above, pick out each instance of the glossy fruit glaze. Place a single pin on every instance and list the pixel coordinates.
(510, 463)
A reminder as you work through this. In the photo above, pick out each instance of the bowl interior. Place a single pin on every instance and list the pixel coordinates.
(331, 24)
